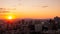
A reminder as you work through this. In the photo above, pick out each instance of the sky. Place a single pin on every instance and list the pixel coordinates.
(31, 8)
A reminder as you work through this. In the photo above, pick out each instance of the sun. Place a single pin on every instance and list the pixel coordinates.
(10, 17)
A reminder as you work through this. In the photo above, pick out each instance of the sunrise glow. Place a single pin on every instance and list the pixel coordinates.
(10, 17)
(30, 8)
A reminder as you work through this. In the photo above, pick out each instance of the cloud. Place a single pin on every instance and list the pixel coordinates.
(3, 10)
(44, 6)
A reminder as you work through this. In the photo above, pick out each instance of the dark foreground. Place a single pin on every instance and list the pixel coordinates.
(31, 26)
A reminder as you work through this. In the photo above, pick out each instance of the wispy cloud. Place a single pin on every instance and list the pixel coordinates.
(44, 6)
(3, 10)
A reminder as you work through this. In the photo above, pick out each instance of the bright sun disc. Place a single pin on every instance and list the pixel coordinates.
(10, 17)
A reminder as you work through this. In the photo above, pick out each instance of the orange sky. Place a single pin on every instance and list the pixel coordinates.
(31, 8)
